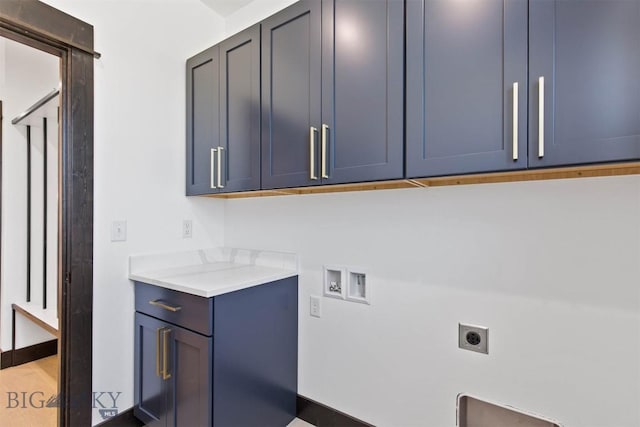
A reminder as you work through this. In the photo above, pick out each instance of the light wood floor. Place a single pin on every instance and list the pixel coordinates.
(299, 423)
(24, 392)
(40, 380)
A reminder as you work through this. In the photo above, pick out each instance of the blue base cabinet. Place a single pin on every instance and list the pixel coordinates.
(230, 360)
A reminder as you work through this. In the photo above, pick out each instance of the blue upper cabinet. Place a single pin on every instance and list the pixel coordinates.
(332, 100)
(466, 89)
(237, 159)
(585, 61)
(223, 116)
(345, 91)
(202, 120)
(291, 101)
(361, 134)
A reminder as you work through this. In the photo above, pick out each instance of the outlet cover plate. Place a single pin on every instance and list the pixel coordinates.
(314, 306)
(187, 229)
(473, 338)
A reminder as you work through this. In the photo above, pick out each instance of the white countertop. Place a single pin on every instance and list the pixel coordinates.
(211, 272)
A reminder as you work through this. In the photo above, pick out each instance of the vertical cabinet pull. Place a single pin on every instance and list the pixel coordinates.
(162, 353)
(515, 121)
(220, 167)
(165, 350)
(312, 152)
(212, 162)
(158, 345)
(324, 166)
(541, 117)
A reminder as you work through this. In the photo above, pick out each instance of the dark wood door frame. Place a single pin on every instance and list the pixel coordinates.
(41, 26)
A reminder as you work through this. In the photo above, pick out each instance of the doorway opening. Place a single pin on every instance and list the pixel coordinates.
(47, 29)
(29, 327)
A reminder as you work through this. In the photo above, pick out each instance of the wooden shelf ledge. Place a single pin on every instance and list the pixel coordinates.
(610, 169)
(46, 319)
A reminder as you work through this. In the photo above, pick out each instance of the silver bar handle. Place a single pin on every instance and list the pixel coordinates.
(541, 116)
(515, 121)
(324, 166)
(312, 154)
(212, 184)
(220, 167)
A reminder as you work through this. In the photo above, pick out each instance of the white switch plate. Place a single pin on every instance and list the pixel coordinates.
(187, 229)
(119, 231)
(314, 308)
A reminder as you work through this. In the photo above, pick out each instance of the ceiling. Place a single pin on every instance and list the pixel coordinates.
(226, 7)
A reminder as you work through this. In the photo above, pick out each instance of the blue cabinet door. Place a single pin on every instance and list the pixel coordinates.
(462, 59)
(239, 112)
(362, 90)
(202, 121)
(187, 357)
(150, 389)
(173, 383)
(291, 102)
(588, 54)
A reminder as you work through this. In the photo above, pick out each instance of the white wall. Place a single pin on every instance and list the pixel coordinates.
(26, 76)
(252, 13)
(552, 268)
(140, 158)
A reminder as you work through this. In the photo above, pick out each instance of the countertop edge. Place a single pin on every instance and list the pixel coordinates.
(214, 292)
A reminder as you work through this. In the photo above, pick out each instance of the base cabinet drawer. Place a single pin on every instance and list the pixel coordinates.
(182, 309)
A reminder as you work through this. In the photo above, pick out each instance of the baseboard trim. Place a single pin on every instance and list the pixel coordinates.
(123, 419)
(306, 409)
(323, 416)
(28, 354)
(6, 359)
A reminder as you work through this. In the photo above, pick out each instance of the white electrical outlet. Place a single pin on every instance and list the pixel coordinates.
(474, 338)
(187, 229)
(119, 231)
(314, 308)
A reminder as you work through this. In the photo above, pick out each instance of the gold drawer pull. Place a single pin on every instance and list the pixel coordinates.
(159, 303)
(158, 362)
(165, 350)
